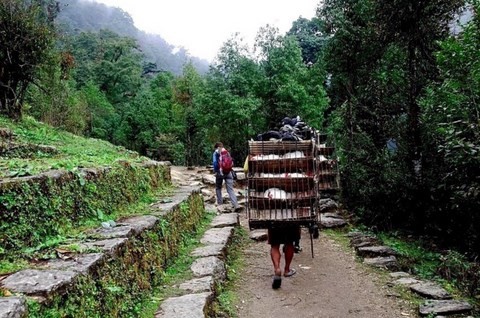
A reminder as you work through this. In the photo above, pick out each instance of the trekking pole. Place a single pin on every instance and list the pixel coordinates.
(314, 234)
(311, 244)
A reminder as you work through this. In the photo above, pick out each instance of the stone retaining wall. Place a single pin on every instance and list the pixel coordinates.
(122, 265)
(37, 207)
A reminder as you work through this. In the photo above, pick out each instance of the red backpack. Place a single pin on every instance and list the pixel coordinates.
(226, 162)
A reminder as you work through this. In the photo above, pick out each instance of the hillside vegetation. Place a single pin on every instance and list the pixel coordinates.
(77, 16)
(396, 91)
(21, 156)
(54, 185)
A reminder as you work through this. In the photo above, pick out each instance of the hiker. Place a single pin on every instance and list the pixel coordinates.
(285, 235)
(222, 168)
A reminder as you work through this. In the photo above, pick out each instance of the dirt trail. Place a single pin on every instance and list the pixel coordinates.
(330, 285)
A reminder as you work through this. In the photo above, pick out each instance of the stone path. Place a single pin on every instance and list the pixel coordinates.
(58, 277)
(330, 285)
(438, 301)
(208, 271)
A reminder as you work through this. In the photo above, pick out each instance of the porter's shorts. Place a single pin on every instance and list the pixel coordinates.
(283, 235)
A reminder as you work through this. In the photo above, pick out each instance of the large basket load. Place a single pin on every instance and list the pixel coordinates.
(283, 176)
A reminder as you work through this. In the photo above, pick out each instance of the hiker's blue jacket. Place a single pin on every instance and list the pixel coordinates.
(216, 161)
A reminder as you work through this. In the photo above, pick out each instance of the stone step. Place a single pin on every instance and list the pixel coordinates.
(209, 266)
(187, 306)
(136, 242)
(199, 285)
(406, 281)
(363, 240)
(41, 283)
(389, 262)
(444, 307)
(13, 307)
(224, 220)
(430, 290)
(333, 215)
(399, 275)
(327, 205)
(330, 220)
(208, 271)
(210, 250)
(217, 236)
(374, 251)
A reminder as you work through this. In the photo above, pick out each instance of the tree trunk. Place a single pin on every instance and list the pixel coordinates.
(419, 192)
(414, 114)
(10, 105)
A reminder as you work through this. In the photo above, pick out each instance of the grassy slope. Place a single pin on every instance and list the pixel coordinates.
(73, 151)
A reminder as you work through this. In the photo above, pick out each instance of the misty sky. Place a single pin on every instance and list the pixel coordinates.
(202, 26)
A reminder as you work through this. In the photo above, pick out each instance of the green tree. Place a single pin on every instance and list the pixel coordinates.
(451, 133)
(367, 89)
(149, 123)
(230, 104)
(110, 61)
(312, 39)
(162, 90)
(416, 26)
(380, 59)
(351, 50)
(54, 99)
(26, 36)
(284, 89)
(166, 143)
(101, 116)
(317, 102)
(310, 36)
(186, 90)
(113, 65)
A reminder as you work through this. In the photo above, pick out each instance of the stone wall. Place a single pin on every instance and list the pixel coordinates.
(38, 207)
(110, 282)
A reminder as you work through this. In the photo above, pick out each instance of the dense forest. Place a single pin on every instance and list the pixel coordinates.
(77, 16)
(397, 91)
